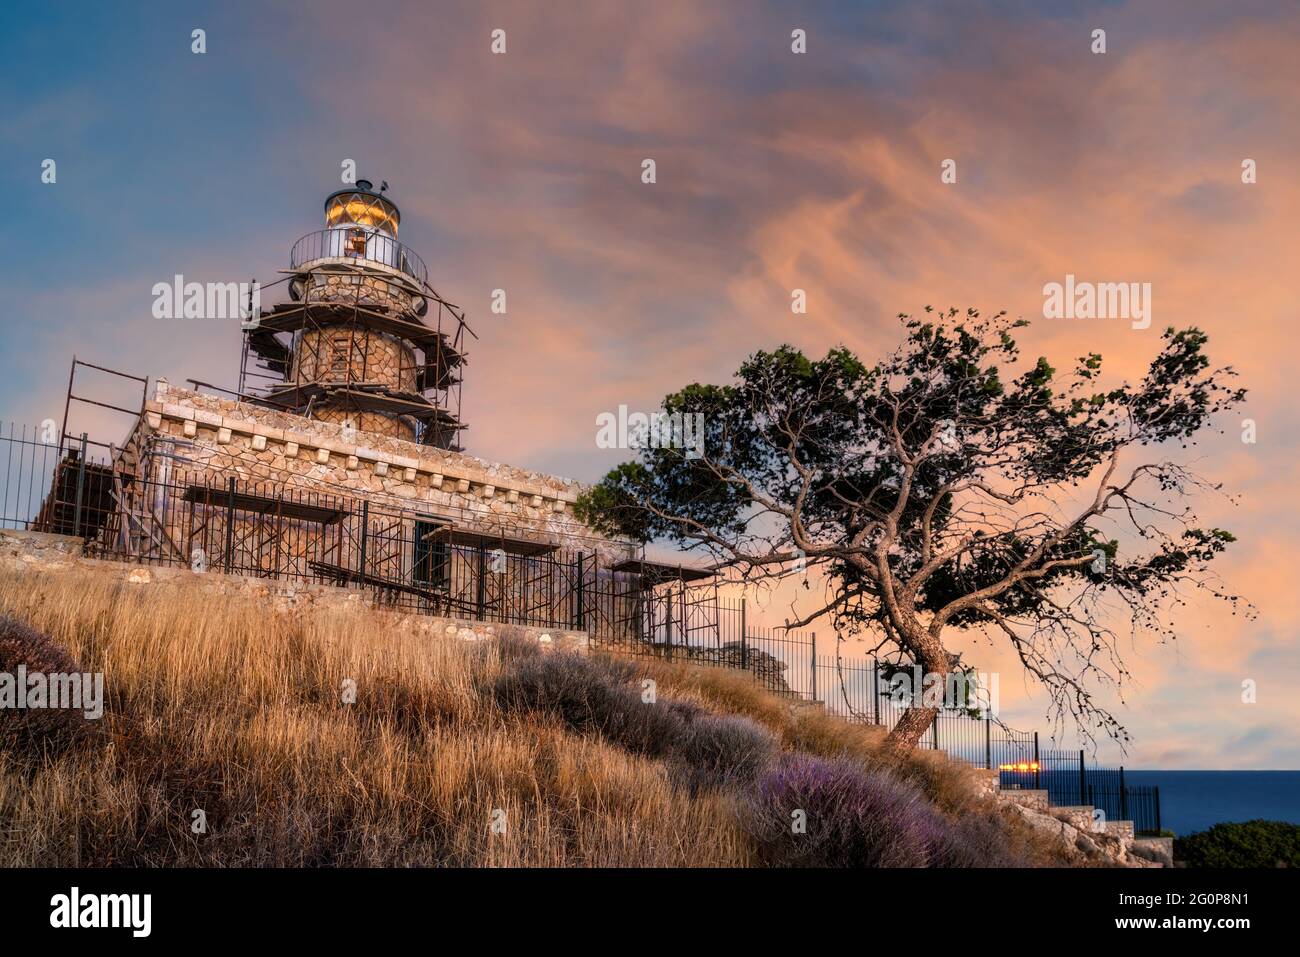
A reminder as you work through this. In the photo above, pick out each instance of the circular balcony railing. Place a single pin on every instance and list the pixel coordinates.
(346, 243)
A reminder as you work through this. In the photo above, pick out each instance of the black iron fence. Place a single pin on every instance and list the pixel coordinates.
(423, 562)
(860, 690)
(29, 455)
(1069, 779)
(405, 557)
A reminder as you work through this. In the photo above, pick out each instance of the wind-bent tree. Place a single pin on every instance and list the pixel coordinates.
(949, 487)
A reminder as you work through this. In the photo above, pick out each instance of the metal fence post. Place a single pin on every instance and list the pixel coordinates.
(1123, 796)
(1083, 780)
(1036, 764)
(875, 691)
(1156, 792)
(934, 732)
(582, 573)
(744, 642)
(230, 525)
(480, 593)
(604, 613)
(988, 743)
(668, 623)
(81, 484)
(365, 538)
(814, 666)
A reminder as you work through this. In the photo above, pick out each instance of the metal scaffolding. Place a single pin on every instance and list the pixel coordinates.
(275, 372)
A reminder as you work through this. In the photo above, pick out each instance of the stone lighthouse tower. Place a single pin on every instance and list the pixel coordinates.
(364, 342)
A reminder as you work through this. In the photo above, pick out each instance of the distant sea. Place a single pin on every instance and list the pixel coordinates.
(1196, 800)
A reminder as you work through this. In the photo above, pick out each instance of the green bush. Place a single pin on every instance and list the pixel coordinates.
(1248, 844)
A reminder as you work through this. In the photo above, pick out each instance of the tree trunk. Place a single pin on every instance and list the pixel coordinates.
(914, 723)
(916, 720)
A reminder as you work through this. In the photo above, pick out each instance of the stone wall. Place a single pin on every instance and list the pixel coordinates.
(350, 287)
(343, 355)
(211, 435)
(40, 547)
(375, 423)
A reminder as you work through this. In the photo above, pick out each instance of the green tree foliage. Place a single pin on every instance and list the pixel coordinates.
(949, 486)
(1248, 844)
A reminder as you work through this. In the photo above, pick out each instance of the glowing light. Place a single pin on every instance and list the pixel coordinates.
(364, 211)
(1022, 766)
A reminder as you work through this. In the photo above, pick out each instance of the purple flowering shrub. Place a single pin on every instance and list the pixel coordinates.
(810, 812)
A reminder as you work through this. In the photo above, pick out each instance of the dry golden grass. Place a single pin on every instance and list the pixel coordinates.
(219, 705)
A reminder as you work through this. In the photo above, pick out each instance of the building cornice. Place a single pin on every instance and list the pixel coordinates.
(385, 455)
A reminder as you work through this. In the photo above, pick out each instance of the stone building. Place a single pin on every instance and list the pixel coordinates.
(339, 456)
